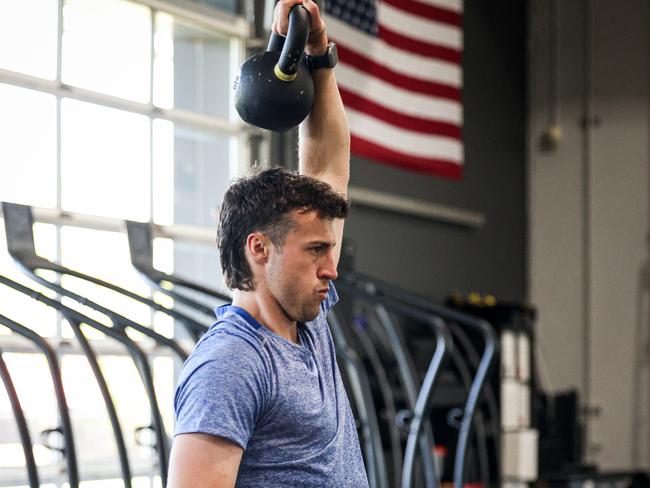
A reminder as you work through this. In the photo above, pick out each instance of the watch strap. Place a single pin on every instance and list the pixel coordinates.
(327, 60)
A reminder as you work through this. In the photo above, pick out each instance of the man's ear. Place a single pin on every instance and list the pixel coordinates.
(258, 247)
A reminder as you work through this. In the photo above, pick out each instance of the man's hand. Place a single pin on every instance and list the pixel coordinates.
(203, 461)
(317, 40)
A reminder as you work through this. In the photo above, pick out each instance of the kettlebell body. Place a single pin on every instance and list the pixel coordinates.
(264, 100)
(274, 90)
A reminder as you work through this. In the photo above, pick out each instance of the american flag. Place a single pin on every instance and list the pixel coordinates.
(400, 78)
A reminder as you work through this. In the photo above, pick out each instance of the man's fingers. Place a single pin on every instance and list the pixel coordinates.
(312, 8)
(280, 23)
(317, 25)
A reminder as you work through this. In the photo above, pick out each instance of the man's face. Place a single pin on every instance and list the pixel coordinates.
(298, 273)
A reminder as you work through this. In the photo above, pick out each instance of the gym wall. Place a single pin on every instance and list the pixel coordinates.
(588, 262)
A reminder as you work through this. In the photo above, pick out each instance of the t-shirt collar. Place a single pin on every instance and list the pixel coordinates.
(221, 311)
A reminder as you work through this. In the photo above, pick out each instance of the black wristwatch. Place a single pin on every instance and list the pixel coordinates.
(327, 60)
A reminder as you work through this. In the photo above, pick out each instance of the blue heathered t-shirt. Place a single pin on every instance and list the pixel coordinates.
(284, 403)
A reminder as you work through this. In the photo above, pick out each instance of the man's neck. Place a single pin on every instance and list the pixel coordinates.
(265, 309)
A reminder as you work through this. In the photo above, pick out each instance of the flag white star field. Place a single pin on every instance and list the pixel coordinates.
(400, 78)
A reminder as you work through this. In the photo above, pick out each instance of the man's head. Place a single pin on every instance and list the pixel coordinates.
(274, 209)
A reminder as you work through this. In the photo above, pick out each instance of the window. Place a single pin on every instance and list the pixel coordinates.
(28, 157)
(116, 109)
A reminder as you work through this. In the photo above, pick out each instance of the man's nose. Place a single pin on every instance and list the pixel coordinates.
(328, 270)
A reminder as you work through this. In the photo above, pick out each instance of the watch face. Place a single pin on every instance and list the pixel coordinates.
(333, 55)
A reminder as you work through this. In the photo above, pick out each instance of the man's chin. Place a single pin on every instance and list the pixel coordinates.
(310, 315)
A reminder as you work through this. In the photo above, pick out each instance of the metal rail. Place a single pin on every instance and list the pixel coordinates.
(409, 379)
(422, 404)
(75, 319)
(140, 236)
(360, 331)
(385, 290)
(21, 424)
(69, 452)
(362, 394)
(20, 243)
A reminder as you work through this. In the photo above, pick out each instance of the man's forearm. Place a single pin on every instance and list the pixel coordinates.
(324, 148)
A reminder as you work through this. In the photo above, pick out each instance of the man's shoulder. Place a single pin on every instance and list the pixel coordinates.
(227, 341)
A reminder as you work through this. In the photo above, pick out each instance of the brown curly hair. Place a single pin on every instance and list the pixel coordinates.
(263, 202)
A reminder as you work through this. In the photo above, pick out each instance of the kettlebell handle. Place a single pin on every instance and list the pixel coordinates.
(293, 46)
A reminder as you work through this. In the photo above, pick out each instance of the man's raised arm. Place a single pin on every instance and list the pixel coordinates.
(324, 148)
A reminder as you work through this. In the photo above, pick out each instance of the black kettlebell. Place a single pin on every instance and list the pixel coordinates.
(274, 90)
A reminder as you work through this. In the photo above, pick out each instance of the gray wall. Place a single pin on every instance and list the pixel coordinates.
(589, 216)
(434, 258)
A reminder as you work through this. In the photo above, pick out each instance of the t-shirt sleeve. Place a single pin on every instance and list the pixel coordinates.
(222, 393)
(331, 299)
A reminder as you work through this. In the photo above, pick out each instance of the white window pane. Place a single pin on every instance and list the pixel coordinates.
(142, 482)
(163, 254)
(28, 39)
(101, 254)
(192, 68)
(105, 161)
(107, 47)
(131, 403)
(111, 483)
(163, 172)
(163, 260)
(201, 175)
(163, 375)
(163, 61)
(201, 264)
(94, 436)
(28, 148)
(104, 255)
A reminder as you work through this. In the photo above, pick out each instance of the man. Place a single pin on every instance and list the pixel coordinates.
(260, 402)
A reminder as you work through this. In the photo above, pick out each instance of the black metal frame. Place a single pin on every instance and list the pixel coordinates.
(69, 451)
(21, 424)
(22, 248)
(19, 223)
(140, 239)
(382, 291)
(488, 397)
(409, 381)
(365, 343)
(75, 319)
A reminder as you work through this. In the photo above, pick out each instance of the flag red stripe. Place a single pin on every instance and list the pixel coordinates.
(424, 48)
(393, 77)
(398, 119)
(429, 11)
(440, 167)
